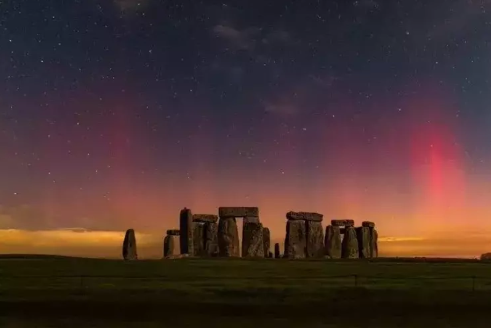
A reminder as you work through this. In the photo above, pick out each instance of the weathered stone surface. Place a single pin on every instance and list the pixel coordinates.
(295, 240)
(333, 242)
(350, 244)
(199, 239)
(315, 239)
(186, 231)
(168, 246)
(228, 237)
(238, 212)
(253, 219)
(486, 257)
(266, 241)
(368, 224)
(252, 240)
(205, 218)
(211, 239)
(373, 242)
(307, 216)
(343, 223)
(173, 232)
(277, 253)
(364, 236)
(129, 245)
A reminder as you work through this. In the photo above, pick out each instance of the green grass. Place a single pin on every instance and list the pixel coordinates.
(243, 293)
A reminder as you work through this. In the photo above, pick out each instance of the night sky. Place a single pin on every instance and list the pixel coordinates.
(115, 114)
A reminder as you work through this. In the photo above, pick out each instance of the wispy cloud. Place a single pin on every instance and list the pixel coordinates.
(242, 39)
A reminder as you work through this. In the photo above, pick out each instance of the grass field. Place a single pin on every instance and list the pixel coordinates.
(52, 292)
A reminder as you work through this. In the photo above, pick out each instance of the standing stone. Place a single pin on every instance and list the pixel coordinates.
(228, 237)
(333, 242)
(186, 231)
(266, 241)
(315, 239)
(295, 240)
(211, 239)
(199, 239)
(252, 240)
(364, 243)
(270, 255)
(350, 244)
(129, 245)
(277, 253)
(168, 246)
(373, 243)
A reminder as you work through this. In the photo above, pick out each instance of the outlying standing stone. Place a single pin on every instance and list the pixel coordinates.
(373, 242)
(186, 231)
(266, 241)
(315, 239)
(211, 239)
(228, 237)
(277, 253)
(333, 242)
(252, 241)
(364, 243)
(350, 244)
(307, 216)
(129, 245)
(295, 240)
(168, 246)
(343, 223)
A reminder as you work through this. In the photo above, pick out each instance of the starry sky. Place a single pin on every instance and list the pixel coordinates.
(115, 114)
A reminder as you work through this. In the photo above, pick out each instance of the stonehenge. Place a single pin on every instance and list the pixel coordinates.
(211, 235)
(129, 246)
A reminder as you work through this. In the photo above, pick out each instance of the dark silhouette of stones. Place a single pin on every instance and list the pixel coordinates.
(205, 218)
(168, 246)
(129, 245)
(173, 232)
(343, 223)
(252, 240)
(228, 237)
(270, 255)
(342, 231)
(315, 239)
(307, 216)
(211, 239)
(186, 232)
(368, 224)
(333, 242)
(266, 241)
(238, 212)
(364, 236)
(277, 253)
(253, 219)
(199, 239)
(373, 243)
(486, 257)
(350, 244)
(296, 239)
